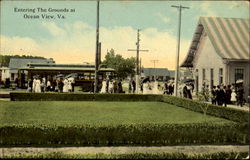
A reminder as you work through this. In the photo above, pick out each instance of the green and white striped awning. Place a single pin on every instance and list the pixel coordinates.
(229, 36)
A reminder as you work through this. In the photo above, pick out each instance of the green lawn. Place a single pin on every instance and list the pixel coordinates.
(97, 113)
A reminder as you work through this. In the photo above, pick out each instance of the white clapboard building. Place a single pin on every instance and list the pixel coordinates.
(219, 52)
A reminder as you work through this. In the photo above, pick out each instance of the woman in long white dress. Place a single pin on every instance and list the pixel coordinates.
(43, 85)
(70, 85)
(48, 85)
(34, 85)
(65, 85)
(145, 88)
(155, 89)
(38, 85)
(104, 86)
(111, 87)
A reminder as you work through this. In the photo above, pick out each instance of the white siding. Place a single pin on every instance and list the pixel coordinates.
(206, 58)
(5, 73)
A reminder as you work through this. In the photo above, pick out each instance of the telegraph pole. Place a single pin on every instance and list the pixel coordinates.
(140, 70)
(155, 61)
(178, 49)
(97, 48)
(137, 59)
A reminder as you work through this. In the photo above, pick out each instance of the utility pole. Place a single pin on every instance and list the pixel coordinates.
(178, 49)
(137, 59)
(155, 61)
(140, 70)
(97, 48)
(99, 54)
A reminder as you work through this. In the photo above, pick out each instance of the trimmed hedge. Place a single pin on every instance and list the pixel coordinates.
(18, 96)
(51, 96)
(214, 110)
(137, 134)
(166, 155)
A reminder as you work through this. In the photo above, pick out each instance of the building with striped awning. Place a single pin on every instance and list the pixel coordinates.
(219, 52)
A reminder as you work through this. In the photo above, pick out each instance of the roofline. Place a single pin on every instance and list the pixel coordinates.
(65, 69)
(235, 60)
(200, 22)
(192, 41)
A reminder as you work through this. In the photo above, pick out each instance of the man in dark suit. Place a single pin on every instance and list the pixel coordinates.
(185, 91)
(218, 96)
(224, 96)
(213, 92)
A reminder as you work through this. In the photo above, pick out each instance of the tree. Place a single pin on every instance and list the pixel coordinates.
(203, 98)
(123, 67)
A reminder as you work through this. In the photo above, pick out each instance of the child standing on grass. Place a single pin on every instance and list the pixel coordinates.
(233, 96)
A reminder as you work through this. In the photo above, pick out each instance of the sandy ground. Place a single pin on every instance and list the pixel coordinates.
(122, 150)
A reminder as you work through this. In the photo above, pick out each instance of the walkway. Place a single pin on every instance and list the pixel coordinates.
(244, 108)
(123, 150)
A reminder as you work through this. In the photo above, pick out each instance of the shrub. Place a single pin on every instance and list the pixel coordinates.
(18, 96)
(136, 134)
(214, 110)
(127, 97)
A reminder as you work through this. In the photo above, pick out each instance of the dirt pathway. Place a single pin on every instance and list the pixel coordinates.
(122, 150)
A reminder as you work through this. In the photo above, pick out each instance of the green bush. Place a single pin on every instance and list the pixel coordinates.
(18, 96)
(214, 110)
(127, 97)
(166, 155)
(136, 134)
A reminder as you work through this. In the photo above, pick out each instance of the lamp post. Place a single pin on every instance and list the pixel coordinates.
(97, 48)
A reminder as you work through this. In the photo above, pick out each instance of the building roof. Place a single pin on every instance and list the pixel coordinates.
(156, 71)
(23, 62)
(64, 69)
(229, 36)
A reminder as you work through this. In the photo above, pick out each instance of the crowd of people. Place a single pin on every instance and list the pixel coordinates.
(151, 87)
(56, 85)
(146, 87)
(187, 90)
(219, 95)
(111, 86)
(230, 94)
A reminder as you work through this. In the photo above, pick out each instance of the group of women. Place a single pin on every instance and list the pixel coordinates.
(59, 85)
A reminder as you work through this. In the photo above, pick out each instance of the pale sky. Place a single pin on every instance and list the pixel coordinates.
(72, 40)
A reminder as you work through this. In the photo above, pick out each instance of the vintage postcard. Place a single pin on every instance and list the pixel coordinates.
(125, 79)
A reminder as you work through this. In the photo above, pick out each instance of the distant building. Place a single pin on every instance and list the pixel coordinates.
(184, 73)
(159, 73)
(219, 52)
(16, 63)
(4, 73)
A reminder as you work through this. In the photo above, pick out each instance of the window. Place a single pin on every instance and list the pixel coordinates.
(197, 80)
(239, 74)
(12, 76)
(211, 78)
(220, 75)
(92, 76)
(203, 74)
